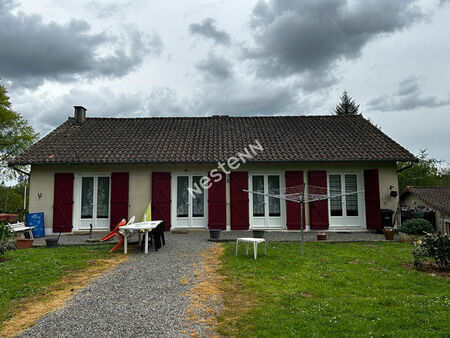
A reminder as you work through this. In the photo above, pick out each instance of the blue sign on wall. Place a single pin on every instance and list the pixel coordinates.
(36, 220)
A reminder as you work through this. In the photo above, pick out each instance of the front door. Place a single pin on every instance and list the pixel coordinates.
(189, 209)
(265, 211)
(92, 204)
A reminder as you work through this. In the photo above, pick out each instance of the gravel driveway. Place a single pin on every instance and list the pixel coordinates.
(141, 297)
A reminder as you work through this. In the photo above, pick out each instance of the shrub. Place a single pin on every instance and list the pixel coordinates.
(5, 247)
(5, 235)
(416, 226)
(433, 246)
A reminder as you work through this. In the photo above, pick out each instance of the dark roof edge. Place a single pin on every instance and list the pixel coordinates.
(209, 162)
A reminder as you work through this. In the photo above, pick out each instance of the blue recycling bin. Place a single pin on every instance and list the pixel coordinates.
(36, 220)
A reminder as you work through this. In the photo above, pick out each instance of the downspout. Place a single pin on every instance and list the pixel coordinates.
(398, 215)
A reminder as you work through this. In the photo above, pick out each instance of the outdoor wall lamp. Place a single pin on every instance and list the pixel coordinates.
(393, 193)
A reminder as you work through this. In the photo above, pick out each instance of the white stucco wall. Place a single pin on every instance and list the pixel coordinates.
(42, 181)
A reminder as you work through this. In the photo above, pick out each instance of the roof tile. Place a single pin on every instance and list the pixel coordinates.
(211, 139)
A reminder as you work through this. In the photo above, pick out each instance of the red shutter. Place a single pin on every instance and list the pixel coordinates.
(293, 179)
(119, 198)
(161, 197)
(217, 203)
(318, 211)
(372, 197)
(63, 203)
(239, 200)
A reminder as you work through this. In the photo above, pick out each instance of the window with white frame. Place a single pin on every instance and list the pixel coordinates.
(346, 205)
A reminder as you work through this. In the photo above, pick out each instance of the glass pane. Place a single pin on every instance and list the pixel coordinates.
(87, 197)
(103, 197)
(182, 196)
(335, 189)
(198, 202)
(258, 200)
(274, 189)
(351, 200)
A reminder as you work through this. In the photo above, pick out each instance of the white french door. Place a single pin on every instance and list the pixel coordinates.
(346, 210)
(266, 212)
(92, 201)
(189, 203)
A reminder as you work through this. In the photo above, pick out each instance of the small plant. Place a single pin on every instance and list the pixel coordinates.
(416, 226)
(435, 247)
(5, 235)
(5, 247)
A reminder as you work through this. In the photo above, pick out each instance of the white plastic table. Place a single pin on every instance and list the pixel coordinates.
(255, 242)
(141, 226)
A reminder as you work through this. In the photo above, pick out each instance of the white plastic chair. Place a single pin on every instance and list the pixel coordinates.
(131, 221)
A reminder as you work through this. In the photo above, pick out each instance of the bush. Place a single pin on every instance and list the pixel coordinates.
(5, 235)
(5, 247)
(433, 246)
(416, 226)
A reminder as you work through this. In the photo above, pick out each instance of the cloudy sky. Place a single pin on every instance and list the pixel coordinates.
(204, 57)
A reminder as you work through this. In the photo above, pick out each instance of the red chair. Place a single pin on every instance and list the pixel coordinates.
(116, 233)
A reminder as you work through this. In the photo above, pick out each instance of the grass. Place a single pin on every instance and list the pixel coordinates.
(35, 275)
(337, 289)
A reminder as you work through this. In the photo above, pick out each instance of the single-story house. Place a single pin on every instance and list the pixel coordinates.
(434, 198)
(100, 170)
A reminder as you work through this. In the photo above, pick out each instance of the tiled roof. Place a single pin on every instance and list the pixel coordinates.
(215, 138)
(437, 197)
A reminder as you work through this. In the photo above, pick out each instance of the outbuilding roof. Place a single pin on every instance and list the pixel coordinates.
(212, 139)
(437, 197)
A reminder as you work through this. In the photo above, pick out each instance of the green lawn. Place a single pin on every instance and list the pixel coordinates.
(33, 271)
(337, 289)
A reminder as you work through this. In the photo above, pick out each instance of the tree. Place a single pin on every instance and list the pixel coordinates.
(424, 173)
(16, 135)
(445, 176)
(347, 106)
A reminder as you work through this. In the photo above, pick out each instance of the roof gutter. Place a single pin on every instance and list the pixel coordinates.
(13, 166)
(212, 162)
(407, 167)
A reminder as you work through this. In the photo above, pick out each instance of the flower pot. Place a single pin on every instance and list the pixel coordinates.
(389, 234)
(321, 236)
(214, 233)
(258, 233)
(24, 243)
(51, 242)
(409, 238)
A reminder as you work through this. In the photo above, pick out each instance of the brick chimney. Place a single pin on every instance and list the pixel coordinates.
(80, 115)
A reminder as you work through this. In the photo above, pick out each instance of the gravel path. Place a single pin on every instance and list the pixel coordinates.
(141, 297)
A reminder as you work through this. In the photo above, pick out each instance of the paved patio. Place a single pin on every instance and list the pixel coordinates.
(275, 236)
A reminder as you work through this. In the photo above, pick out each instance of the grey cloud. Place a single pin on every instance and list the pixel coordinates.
(38, 51)
(100, 103)
(215, 67)
(235, 99)
(315, 81)
(293, 37)
(230, 97)
(208, 29)
(107, 10)
(241, 97)
(408, 96)
(164, 101)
